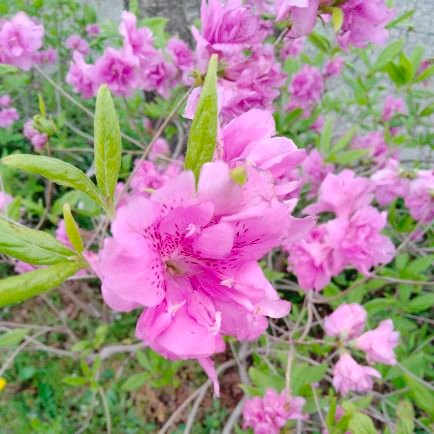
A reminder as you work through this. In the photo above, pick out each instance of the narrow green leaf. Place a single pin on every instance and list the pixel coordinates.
(55, 170)
(75, 381)
(405, 16)
(42, 108)
(420, 303)
(350, 156)
(108, 144)
(135, 381)
(12, 338)
(425, 74)
(203, 133)
(320, 42)
(388, 54)
(72, 230)
(31, 246)
(19, 288)
(326, 136)
(344, 141)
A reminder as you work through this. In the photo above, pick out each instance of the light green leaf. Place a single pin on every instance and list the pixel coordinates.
(361, 424)
(320, 42)
(19, 288)
(203, 133)
(344, 141)
(405, 16)
(425, 74)
(326, 136)
(405, 415)
(422, 396)
(31, 246)
(388, 54)
(158, 27)
(420, 303)
(136, 381)
(56, 170)
(12, 338)
(72, 230)
(350, 156)
(108, 144)
(75, 381)
(337, 18)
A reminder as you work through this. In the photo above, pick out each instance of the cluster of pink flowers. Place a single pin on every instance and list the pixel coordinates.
(269, 414)
(20, 39)
(416, 187)
(37, 139)
(251, 76)
(376, 147)
(8, 115)
(137, 65)
(392, 107)
(351, 239)
(314, 171)
(347, 323)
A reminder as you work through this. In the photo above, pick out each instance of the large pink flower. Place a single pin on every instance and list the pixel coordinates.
(269, 414)
(349, 376)
(379, 344)
(81, 76)
(8, 116)
(188, 258)
(420, 197)
(138, 41)
(20, 39)
(77, 43)
(302, 14)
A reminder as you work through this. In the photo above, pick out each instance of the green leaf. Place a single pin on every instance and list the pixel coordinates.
(420, 303)
(326, 136)
(264, 380)
(425, 74)
(135, 381)
(344, 141)
(421, 264)
(422, 396)
(31, 246)
(19, 288)
(388, 54)
(428, 110)
(361, 424)
(320, 42)
(72, 230)
(108, 144)
(75, 381)
(405, 414)
(158, 26)
(405, 16)
(203, 133)
(56, 170)
(337, 18)
(350, 156)
(42, 108)
(12, 338)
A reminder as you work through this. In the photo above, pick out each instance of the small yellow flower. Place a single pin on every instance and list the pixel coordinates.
(3, 383)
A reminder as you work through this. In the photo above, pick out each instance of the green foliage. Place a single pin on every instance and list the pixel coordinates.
(203, 132)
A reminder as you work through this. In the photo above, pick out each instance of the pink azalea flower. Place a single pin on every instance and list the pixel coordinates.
(357, 240)
(347, 321)
(420, 197)
(306, 89)
(159, 149)
(137, 41)
(292, 47)
(5, 200)
(334, 67)
(315, 171)
(20, 39)
(318, 124)
(262, 6)
(379, 344)
(61, 235)
(269, 414)
(118, 69)
(342, 194)
(158, 75)
(364, 22)
(151, 176)
(93, 30)
(8, 116)
(312, 260)
(22, 267)
(5, 100)
(46, 56)
(389, 183)
(302, 14)
(392, 106)
(349, 376)
(188, 258)
(181, 54)
(77, 43)
(37, 139)
(376, 145)
(81, 76)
